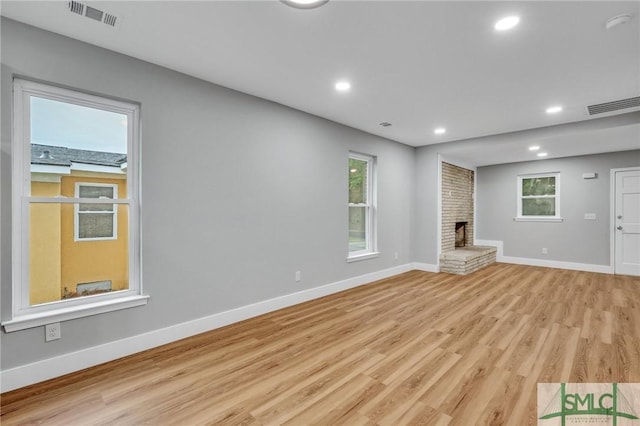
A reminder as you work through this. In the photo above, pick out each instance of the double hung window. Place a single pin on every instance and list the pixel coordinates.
(362, 207)
(75, 224)
(539, 197)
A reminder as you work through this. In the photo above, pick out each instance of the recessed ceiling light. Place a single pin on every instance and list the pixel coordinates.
(534, 148)
(343, 86)
(542, 154)
(440, 131)
(304, 4)
(507, 23)
(385, 124)
(554, 109)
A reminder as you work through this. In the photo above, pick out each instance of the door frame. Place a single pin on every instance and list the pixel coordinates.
(612, 216)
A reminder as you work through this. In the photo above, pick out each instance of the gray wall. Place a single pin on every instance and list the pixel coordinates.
(238, 193)
(425, 241)
(573, 240)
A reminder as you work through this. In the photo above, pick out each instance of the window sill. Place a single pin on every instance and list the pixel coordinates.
(360, 257)
(23, 322)
(538, 219)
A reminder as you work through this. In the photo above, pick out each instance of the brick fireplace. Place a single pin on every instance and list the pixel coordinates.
(458, 253)
(457, 205)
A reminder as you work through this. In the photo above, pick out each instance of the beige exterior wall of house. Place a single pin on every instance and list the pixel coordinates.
(58, 263)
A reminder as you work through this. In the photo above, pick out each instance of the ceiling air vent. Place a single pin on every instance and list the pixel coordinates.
(94, 14)
(614, 106)
(76, 7)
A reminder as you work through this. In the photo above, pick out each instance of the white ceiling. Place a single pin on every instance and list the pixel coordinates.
(415, 64)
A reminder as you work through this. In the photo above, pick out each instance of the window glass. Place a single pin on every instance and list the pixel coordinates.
(539, 207)
(539, 186)
(538, 196)
(357, 181)
(60, 268)
(361, 205)
(357, 228)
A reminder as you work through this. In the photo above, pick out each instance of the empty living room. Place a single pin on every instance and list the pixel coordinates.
(319, 212)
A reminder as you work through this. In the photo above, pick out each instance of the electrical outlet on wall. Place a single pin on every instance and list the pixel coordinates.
(544, 250)
(51, 332)
(298, 276)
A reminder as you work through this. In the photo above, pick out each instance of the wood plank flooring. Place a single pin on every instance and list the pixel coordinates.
(418, 348)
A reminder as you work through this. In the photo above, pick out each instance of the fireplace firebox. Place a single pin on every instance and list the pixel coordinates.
(461, 234)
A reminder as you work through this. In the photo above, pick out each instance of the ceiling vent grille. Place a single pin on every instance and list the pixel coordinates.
(110, 19)
(614, 106)
(94, 14)
(76, 7)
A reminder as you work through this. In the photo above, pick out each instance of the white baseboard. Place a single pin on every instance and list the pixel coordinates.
(46, 369)
(426, 267)
(500, 257)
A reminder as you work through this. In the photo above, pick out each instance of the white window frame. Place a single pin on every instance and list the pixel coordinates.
(531, 218)
(77, 212)
(371, 249)
(24, 315)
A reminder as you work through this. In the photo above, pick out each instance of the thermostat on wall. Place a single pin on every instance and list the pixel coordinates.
(592, 175)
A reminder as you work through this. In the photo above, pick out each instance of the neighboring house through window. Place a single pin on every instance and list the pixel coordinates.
(539, 197)
(76, 245)
(96, 221)
(362, 207)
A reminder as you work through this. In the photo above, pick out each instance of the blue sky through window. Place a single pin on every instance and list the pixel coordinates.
(74, 126)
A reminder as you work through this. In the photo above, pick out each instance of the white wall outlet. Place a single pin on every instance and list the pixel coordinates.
(298, 276)
(395, 255)
(590, 216)
(544, 250)
(51, 332)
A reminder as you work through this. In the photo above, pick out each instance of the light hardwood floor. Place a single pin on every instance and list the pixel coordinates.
(418, 348)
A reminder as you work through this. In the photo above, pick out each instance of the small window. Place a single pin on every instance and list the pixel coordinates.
(539, 197)
(362, 207)
(96, 221)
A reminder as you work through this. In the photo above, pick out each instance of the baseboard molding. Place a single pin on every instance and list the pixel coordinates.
(500, 257)
(426, 267)
(50, 368)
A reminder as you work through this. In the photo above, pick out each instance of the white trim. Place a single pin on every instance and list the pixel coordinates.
(602, 269)
(439, 210)
(48, 168)
(499, 245)
(359, 257)
(28, 374)
(64, 200)
(77, 167)
(72, 312)
(573, 266)
(83, 167)
(612, 213)
(426, 267)
(538, 219)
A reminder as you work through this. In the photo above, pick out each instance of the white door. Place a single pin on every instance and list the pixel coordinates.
(627, 223)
